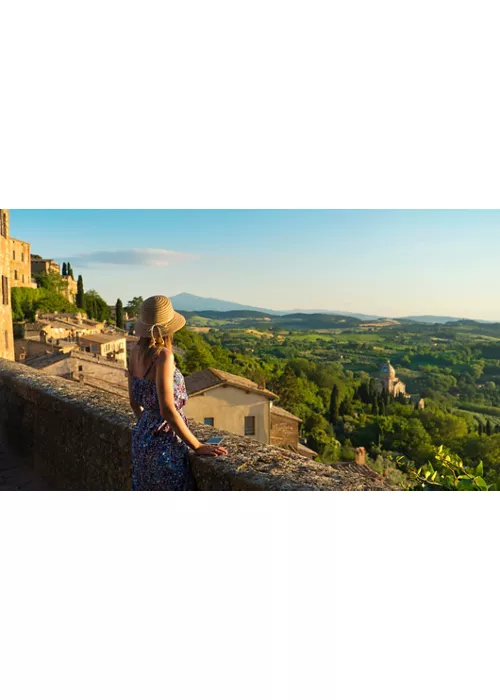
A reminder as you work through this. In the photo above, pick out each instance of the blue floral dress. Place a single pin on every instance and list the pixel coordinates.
(160, 459)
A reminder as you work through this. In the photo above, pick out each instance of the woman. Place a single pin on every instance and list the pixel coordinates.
(161, 437)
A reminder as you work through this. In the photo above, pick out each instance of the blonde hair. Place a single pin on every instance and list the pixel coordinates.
(146, 344)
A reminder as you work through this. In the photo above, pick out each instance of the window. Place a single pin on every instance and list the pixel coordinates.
(209, 421)
(15, 274)
(13, 255)
(6, 340)
(23, 279)
(5, 291)
(249, 425)
(22, 257)
(80, 368)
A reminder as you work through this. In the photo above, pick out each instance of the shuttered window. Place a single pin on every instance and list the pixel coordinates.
(249, 425)
(5, 291)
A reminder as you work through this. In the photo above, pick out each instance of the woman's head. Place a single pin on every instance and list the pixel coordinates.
(157, 323)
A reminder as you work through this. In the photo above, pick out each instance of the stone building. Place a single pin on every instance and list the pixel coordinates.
(233, 403)
(70, 289)
(84, 368)
(20, 264)
(109, 345)
(387, 380)
(6, 328)
(40, 265)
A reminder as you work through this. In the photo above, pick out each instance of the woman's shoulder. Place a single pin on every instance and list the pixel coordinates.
(165, 356)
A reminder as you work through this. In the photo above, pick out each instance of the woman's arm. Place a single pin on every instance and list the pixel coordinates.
(133, 403)
(169, 412)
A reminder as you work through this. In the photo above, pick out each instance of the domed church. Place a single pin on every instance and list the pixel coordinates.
(387, 380)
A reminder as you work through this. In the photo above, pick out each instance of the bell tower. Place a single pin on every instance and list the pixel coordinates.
(6, 329)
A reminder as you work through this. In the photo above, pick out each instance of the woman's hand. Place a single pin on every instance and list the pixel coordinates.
(210, 450)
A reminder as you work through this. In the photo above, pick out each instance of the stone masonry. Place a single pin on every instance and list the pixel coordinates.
(6, 329)
(77, 438)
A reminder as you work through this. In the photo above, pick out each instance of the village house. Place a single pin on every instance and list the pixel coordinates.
(70, 288)
(20, 264)
(41, 265)
(78, 366)
(109, 345)
(238, 405)
(6, 328)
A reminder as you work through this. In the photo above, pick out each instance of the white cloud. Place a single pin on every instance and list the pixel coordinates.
(146, 257)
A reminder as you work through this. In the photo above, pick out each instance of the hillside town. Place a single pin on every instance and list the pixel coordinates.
(94, 353)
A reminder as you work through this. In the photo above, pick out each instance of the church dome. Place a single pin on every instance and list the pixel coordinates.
(388, 370)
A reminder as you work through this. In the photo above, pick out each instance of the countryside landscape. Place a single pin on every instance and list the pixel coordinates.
(414, 398)
(325, 367)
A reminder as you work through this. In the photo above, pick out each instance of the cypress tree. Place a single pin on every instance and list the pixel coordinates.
(80, 297)
(334, 412)
(64, 270)
(489, 429)
(119, 313)
(70, 271)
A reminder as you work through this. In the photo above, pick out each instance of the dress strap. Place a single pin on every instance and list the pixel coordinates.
(151, 365)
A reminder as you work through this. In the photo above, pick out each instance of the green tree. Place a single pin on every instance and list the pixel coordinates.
(289, 390)
(95, 306)
(64, 269)
(80, 293)
(133, 306)
(119, 313)
(334, 412)
(70, 271)
(488, 427)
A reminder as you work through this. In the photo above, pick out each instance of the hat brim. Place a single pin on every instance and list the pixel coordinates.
(144, 331)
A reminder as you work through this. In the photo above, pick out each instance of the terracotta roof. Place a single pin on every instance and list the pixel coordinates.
(278, 411)
(101, 338)
(37, 326)
(210, 378)
(41, 361)
(306, 451)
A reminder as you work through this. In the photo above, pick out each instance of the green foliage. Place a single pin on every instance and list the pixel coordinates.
(80, 294)
(95, 306)
(119, 313)
(27, 302)
(334, 412)
(133, 306)
(448, 473)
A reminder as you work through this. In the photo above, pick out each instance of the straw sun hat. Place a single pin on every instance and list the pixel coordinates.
(157, 318)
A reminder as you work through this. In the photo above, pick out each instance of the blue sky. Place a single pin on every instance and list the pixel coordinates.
(385, 262)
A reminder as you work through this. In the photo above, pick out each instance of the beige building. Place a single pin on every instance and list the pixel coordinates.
(110, 346)
(40, 265)
(83, 368)
(20, 264)
(6, 327)
(70, 289)
(238, 405)
(387, 380)
(55, 327)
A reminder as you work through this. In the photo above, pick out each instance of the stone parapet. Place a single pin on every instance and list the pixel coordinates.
(78, 438)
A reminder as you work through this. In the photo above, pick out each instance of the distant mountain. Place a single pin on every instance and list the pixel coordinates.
(440, 319)
(191, 302)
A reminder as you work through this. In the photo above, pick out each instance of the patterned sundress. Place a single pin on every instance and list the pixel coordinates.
(160, 459)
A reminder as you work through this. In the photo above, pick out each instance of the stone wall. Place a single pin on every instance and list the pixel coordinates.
(20, 264)
(78, 438)
(284, 431)
(6, 328)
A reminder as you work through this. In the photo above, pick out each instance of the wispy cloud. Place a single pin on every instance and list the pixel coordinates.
(146, 257)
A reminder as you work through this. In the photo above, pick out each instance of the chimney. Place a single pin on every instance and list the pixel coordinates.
(360, 456)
